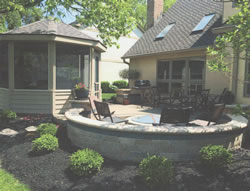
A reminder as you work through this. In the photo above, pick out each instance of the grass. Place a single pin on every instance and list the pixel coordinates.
(9, 183)
(107, 96)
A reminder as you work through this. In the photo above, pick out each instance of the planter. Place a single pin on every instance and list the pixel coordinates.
(81, 93)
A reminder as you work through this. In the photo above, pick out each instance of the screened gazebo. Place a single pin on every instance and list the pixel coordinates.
(41, 62)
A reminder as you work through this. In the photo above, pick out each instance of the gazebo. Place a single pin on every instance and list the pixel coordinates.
(41, 62)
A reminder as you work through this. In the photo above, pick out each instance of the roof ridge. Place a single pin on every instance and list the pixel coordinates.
(27, 25)
(80, 31)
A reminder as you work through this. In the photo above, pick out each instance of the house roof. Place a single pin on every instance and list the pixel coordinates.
(50, 27)
(186, 14)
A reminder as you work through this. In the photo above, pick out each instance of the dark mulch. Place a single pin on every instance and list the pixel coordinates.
(50, 171)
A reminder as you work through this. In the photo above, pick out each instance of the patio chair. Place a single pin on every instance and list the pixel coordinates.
(177, 115)
(92, 105)
(104, 114)
(213, 116)
(218, 99)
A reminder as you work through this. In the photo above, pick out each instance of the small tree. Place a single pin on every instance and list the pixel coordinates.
(129, 74)
(238, 39)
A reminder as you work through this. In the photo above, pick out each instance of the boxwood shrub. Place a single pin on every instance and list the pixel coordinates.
(120, 84)
(157, 171)
(85, 162)
(7, 115)
(45, 143)
(215, 156)
(105, 87)
(47, 128)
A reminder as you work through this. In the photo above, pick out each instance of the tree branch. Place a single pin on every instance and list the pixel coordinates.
(25, 5)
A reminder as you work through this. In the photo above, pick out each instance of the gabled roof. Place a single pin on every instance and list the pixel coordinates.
(186, 14)
(49, 27)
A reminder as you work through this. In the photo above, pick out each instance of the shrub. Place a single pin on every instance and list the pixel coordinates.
(7, 115)
(47, 128)
(105, 87)
(120, 84)
(156, 170)
(46, 142)
(215, 156)
(84, 162)
(112, 88)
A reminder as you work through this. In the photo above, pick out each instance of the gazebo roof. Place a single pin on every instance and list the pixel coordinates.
(51, 28)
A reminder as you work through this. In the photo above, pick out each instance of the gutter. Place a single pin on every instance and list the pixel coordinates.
(223, 29)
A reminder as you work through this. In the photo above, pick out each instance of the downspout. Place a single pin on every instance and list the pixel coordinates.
(124, 60)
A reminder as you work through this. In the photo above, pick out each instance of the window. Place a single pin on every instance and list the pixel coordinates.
(247, 76)
(70, 62)
(163, 33)
(203, 23)
(31, 65)
(178, 69)
(196, 69)
(4, 81)
(163, 70)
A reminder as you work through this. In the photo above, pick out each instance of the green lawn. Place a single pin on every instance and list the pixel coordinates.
(9, 183)
(107, 96)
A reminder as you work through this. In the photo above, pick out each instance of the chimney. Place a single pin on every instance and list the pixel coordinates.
(154, 10)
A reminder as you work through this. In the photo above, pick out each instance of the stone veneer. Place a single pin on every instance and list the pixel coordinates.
(134, 142)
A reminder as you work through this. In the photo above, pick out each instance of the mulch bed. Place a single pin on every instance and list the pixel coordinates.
(49, 172)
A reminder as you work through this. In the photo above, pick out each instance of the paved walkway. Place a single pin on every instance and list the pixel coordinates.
(132, 110)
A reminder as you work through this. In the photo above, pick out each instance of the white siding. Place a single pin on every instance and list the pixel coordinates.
(4, 98)
(62, 103)
(31, 101)
(111, 63)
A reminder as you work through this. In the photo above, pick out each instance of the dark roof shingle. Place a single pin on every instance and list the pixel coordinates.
(186, 14)
(46, 27)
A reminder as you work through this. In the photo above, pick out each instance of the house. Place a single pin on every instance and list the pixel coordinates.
(172, 52)
(111, 63)
(41, 62)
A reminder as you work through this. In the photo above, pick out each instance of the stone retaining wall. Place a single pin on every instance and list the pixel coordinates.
(134, 142)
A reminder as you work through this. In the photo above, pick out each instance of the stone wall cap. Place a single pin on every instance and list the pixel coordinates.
(237, 123)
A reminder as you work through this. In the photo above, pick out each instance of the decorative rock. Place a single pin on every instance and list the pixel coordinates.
(31, 129)
(8, 132)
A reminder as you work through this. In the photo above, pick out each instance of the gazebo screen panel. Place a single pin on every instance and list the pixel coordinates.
(31, 65)
(71, 62)
(4, 82)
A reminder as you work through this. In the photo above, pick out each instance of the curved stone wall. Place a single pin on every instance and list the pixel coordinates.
(134, 142)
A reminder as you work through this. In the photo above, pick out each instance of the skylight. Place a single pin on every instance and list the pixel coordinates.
(163, 33)
(203, 23)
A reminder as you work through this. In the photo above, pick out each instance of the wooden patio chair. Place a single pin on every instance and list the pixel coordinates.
(219, 99)
(213, 116)
(104, 113)
(175, 115)
(92, 105)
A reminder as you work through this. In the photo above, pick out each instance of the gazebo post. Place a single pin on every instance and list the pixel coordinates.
(52, 73)
(91, 76)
